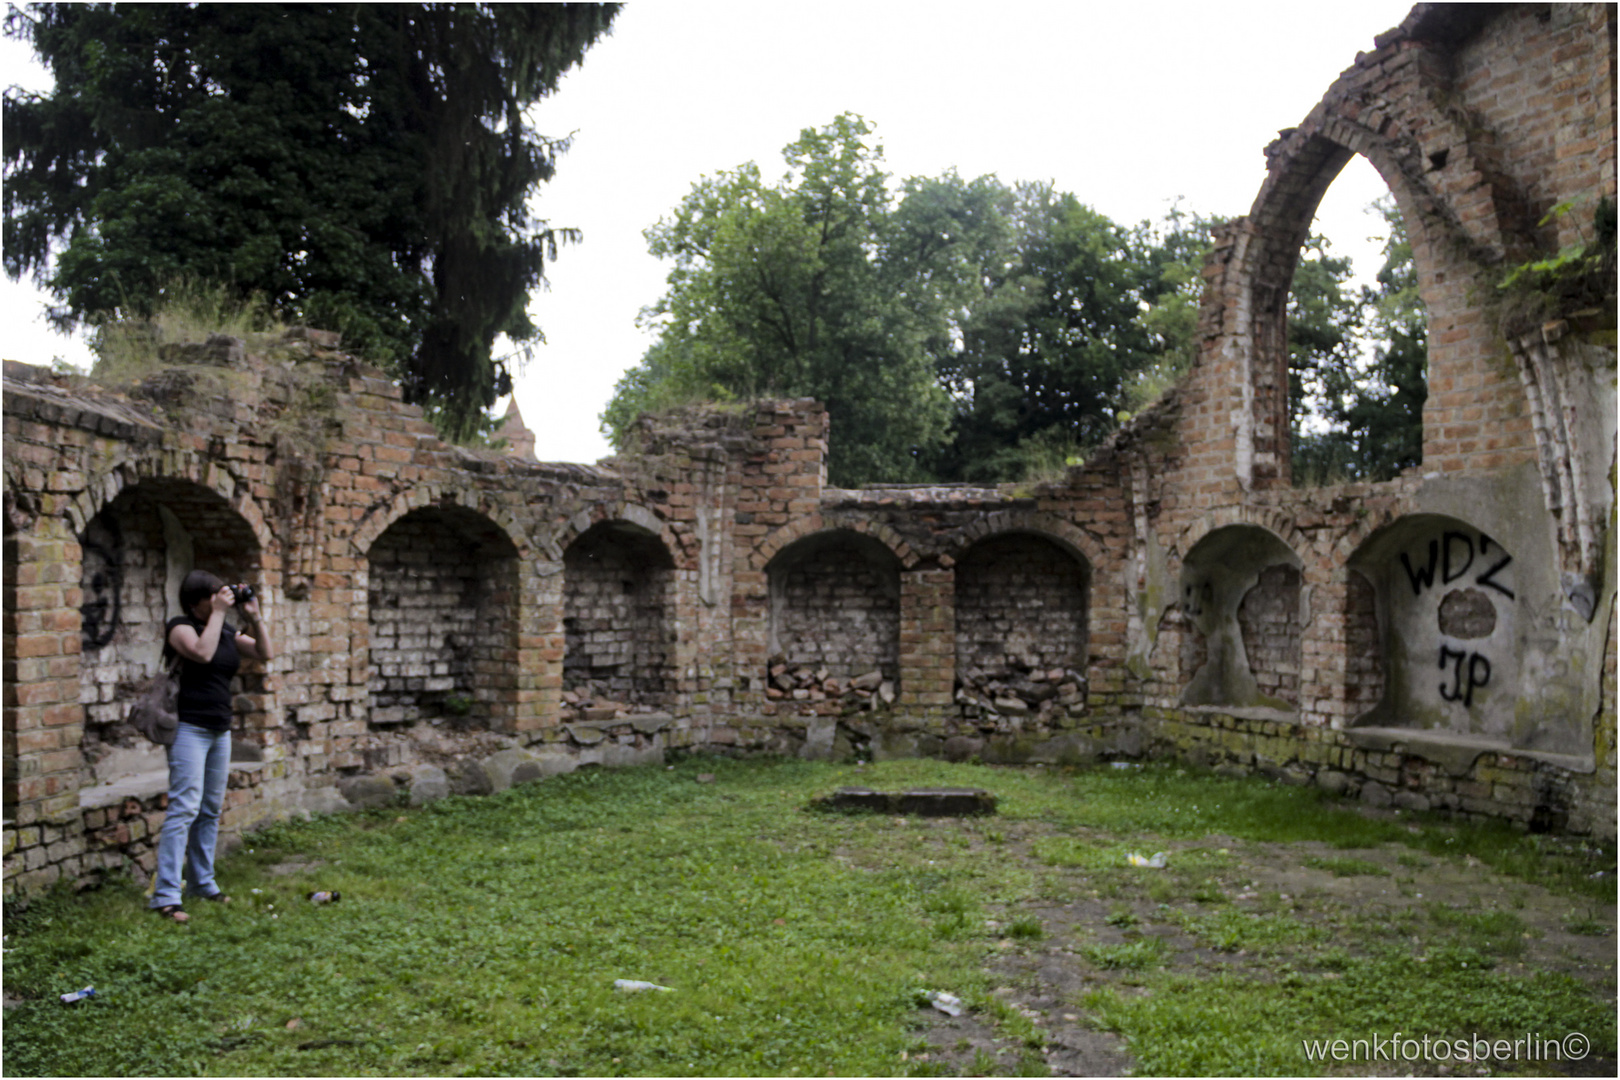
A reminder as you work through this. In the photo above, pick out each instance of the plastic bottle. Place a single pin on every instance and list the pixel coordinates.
(321, 897)
(78, 995)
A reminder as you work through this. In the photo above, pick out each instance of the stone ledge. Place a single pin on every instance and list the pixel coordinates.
(138, 786)
(1456, 751)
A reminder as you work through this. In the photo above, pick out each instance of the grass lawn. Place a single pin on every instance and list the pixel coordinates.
(483, 936)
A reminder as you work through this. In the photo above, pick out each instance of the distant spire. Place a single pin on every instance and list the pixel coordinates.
(519, 439)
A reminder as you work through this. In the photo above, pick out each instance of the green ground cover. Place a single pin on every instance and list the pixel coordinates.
(483, 936)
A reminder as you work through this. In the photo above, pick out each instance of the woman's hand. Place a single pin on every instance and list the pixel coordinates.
(222, 601)
(250, 608)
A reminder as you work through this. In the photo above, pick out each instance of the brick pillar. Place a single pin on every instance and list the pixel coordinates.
(927, 638)
(541, 647)
(1327, 667)
(44, 722)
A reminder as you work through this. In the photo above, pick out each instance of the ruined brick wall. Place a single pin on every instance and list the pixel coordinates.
(1269, 619)
(837, 607)
(443, 606)
(1021, 621)
(453, 620)
(618, 619)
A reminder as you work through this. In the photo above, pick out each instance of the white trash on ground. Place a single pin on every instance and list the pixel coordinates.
(637, 984)
(949, 1004)
(1156, 862)
(78, 995)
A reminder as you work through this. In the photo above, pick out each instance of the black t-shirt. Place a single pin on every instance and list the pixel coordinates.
(205, 689)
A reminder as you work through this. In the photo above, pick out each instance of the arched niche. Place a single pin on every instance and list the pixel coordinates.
(134, 553)
(618, 616)
(1446, 602)
(835, 604)
(1241, 599)
(1022, 621)
(443, 602)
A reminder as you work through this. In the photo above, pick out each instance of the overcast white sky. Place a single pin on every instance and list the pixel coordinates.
(1129, 106)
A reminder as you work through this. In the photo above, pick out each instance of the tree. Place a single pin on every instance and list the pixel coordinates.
(1358, 364)
(818, 285)
(1072, 313)
(361, 167)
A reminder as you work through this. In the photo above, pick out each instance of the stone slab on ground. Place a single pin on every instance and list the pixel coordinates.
(922, 802)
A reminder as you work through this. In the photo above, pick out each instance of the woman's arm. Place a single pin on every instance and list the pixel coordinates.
(201, 647)
(257, 646)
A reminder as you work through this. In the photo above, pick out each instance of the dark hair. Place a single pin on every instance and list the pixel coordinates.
(198, 586)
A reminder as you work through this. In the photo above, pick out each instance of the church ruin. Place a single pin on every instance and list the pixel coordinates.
(457, 621)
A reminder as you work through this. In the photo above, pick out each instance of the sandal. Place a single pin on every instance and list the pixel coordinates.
(218, 898)
(172, 912)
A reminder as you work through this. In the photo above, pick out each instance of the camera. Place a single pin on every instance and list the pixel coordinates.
(243, 592)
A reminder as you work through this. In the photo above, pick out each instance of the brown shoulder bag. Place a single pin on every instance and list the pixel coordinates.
(155, 712)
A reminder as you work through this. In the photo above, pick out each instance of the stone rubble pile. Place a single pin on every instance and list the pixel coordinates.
(1014, 689)
(590, 700)
(816, 683)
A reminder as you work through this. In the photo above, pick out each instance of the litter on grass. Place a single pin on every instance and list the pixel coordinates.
(78, 995)
(1156, 862)
(638, 985)
(949, 1004)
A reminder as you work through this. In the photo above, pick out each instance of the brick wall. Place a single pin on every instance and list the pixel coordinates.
(1021, 611)
(618, 618)
(603, 614)
(1269, 619)
(835, 604)
(443, 606)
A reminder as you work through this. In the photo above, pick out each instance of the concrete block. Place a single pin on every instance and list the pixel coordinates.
(427, 784)
(367, 792)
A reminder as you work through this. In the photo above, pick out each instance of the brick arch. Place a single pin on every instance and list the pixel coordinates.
(443, 496)
(1354, 537)
(621, 510)
(772, 545)
(1049, 526)
(176, 466)
(1392, 114)
(1277, 522)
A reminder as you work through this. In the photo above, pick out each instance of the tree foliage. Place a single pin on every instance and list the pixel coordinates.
(816, 285)
(955, 328)
(361, 167)
(1076, 315)
(1358, 364)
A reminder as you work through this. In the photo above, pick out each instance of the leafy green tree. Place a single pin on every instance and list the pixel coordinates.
(1358, 365)
(818, 285)
(1073, 314)
(360, 167)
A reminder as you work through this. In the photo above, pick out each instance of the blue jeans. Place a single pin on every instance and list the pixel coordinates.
(199, 763)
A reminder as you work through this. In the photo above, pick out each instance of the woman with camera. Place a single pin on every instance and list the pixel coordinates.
(209, 652)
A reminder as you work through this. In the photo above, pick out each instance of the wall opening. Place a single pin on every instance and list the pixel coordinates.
(443, 602)
(1022, 614)
(834, 620)
(618, 621)
(1241, 600)
(1357, 339)
(134, 555)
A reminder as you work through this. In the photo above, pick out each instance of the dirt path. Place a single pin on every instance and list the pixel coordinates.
(1093, 921)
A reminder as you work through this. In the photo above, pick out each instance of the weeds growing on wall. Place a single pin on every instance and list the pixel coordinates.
(128, 348)
(483, 936)
(1578, 278)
